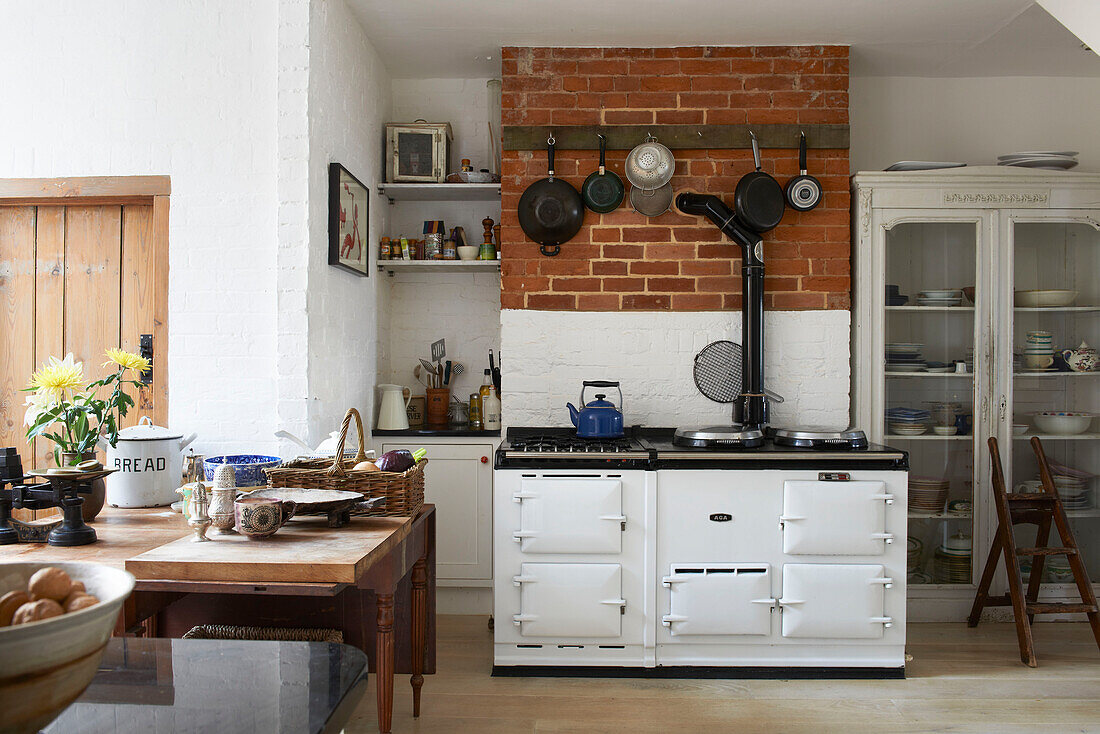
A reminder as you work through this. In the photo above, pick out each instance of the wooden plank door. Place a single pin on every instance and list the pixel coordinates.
(83, 268)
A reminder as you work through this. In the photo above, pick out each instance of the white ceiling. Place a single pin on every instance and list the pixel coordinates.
(462, 38)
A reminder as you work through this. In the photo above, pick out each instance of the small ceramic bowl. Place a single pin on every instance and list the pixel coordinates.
(1019, 429)
(467, 252)
(945, 430)
(247, 468)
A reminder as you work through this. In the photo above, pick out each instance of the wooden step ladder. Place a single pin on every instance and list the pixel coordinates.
(1037, 509)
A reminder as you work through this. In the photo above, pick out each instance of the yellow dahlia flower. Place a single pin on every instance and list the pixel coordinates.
(59, 378)
(127, 360)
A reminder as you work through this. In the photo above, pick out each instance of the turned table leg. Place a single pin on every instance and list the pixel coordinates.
(383, 666)
(419, 629)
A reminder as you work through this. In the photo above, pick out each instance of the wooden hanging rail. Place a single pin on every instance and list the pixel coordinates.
(683, 137)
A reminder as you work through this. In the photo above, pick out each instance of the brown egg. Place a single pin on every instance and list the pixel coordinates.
(77, 586)
(76, 602)
(9, 603)
(49, 583)
(33, 611)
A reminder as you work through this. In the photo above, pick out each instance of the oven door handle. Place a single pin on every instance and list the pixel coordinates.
(520, 535)
(887, 498)
(783, 519)
(518, 619)
(520, 580)
(888, 537)
(614, 602)
(521, 496)
(668, 619)
(769, 601)
(789, 602)
(884, 621)
(670, 580)
(887, 583)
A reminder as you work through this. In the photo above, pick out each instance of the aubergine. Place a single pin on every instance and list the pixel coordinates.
(399, 460)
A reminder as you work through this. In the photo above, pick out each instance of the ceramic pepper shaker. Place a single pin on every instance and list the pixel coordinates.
(200, 521)
(222, 497)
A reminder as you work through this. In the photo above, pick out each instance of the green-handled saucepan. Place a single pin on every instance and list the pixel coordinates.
(603, 190)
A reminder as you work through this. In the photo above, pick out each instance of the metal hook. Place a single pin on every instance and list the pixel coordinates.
(550, 140)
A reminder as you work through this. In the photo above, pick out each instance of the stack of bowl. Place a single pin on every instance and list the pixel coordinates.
(950, 297)
(904, 357)
(927, 494)
(1039, 352)
(951, 562)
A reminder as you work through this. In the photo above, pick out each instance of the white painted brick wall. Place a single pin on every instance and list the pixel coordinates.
(186, 89)
(349, 103)
(547, 354)
(462, 102)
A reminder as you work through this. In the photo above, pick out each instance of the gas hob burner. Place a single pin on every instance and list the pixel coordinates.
(814, 437)
(718, 437)
(544, 443)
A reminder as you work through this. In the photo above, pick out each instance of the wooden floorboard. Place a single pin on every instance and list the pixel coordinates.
(960, 680)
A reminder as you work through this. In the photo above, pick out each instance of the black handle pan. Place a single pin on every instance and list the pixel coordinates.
(603, 190)
(550, 211)
(803, 191)
(758, 198)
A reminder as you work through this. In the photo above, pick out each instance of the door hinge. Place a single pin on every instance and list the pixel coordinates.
(145, 349)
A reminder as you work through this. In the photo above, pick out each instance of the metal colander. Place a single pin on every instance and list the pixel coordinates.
(650, 165)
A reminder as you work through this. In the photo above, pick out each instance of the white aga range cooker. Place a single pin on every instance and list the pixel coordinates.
(636, 556)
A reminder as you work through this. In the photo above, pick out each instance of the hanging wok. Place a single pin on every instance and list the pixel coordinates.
(550, 211)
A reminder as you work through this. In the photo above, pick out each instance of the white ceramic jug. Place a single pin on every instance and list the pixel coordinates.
(391, 412)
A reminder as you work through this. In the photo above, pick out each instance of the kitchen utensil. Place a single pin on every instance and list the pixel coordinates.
(550, 210)
(438, 410)
(758, 198)
(494, 372)
(1044, 298)
(651, 202)
(457, 368)
(259, 517)
(1063, 423)
(149, 460)
(803, 192)
(222, 495)
(603, 190)
(392, 415)
(447, 373)
(429, 371)
(599, 418)
(439, 350)
(1082, 359)
(49, 663)
(649, 165)
(717, 372)
(423, 377)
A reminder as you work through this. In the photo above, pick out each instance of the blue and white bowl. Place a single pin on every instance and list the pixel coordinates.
(248, 469)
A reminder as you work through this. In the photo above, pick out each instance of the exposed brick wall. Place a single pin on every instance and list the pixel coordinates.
(624, 261)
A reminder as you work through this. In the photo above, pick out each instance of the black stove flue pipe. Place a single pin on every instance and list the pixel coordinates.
(751, 411)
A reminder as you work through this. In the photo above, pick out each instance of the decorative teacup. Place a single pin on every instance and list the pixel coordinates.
(1039, 361)
(260, 517)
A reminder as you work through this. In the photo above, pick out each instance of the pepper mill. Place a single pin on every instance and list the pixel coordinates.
(222, 496)
(488, 250)
(200, 521)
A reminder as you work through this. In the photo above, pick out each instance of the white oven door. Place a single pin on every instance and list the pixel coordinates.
(570, 600)
(833, 600)
(719, 599)
(835, 518)
(570, 515)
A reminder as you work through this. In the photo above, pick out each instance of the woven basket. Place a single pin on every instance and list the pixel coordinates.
(278, 634)
(404, 492)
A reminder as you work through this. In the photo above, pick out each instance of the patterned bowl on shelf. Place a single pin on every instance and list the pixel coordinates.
(247, 468)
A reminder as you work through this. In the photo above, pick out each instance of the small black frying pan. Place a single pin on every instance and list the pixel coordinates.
(550, 211)
(758, 198)
(803, 191)
(603, 190)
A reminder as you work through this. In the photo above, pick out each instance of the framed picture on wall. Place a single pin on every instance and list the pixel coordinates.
(348, 244)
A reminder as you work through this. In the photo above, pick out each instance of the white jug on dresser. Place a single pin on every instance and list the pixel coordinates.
(392, 415)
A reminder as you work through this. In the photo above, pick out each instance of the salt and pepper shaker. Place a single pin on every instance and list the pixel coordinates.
(222, 496)
(200, 521)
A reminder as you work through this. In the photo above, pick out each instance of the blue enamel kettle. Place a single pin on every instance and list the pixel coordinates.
(600, 418)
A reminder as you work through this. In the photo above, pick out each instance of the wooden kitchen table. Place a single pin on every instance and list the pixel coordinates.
(306, 575)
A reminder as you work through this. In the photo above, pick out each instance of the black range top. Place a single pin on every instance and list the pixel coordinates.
(653, 448)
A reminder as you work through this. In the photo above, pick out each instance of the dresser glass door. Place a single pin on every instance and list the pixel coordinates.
(933, 281)
(1054, 377)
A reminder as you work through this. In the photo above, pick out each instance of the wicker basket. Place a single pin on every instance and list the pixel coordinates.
(404, 492)
(278, 634)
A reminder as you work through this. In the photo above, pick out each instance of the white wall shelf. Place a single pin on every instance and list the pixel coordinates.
(439, 266)
(927, 437)
(940, 375)
(1057, 309)
(962, 309)
(1057, 437)
(1055, 375)
(439, 191)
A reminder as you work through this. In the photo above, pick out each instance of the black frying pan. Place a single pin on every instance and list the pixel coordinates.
(550, 211)
(803, 191)
(758, 199)
(603, 190)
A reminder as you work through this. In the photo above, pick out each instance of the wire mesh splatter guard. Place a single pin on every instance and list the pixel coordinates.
(717, 371)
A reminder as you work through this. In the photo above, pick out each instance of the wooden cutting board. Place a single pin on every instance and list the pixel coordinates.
(298, 552)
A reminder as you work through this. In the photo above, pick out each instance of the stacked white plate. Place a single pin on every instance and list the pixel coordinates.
(1058, 160)
(1074, 491)
(940, 298)
(927, 494)
(914, 552)
(904, 357)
